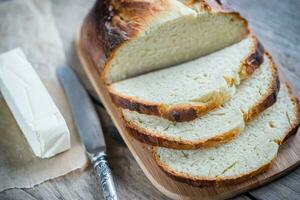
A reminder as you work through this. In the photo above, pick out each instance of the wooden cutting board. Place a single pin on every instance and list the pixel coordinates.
(288, 158)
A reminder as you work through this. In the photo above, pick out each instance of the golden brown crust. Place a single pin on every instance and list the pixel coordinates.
(179, 112)
(202, 181)
(174, 143)
(205, 5)
(254, 59)
(112, 23)
(120, 20)
(188, 112)
(295, 125)
(269, 99)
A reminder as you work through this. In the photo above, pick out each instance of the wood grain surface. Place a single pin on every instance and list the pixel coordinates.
(277, 24)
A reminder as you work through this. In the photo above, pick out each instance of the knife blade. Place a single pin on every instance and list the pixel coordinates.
(89, 128)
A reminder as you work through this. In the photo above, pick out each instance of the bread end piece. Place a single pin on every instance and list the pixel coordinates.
(221, 181)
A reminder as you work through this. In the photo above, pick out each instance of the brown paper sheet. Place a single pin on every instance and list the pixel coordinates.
(29, 24)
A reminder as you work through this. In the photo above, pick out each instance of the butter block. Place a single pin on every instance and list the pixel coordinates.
(33, 108)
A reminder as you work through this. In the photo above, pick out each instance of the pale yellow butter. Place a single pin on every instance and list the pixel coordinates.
(33, 108)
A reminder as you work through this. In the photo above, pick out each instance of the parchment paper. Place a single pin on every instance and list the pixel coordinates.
(29, 24)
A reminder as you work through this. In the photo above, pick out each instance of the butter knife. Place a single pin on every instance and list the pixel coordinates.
(89, 129)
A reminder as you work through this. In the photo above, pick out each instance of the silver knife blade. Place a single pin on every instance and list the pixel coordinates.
(85, 117)
(89, 129)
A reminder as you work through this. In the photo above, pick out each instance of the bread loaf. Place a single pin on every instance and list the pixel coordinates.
(251, 153)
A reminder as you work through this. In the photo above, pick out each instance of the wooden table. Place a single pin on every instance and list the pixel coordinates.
(277, 25)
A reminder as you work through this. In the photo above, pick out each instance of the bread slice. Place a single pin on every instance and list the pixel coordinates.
(126, 38)
(218, 126)
(242, 158)
(189, 90)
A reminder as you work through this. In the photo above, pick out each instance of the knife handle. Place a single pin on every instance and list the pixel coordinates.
(104, 176)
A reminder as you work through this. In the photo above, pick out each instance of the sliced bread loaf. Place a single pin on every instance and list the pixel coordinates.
(249, 154)
(126, 38)
(220, 125)
(189, 90)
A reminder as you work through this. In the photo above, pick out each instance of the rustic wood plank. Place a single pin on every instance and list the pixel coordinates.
(286, 188)
(16, 194)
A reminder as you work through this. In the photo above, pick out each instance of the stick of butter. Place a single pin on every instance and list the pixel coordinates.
(33, 108)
